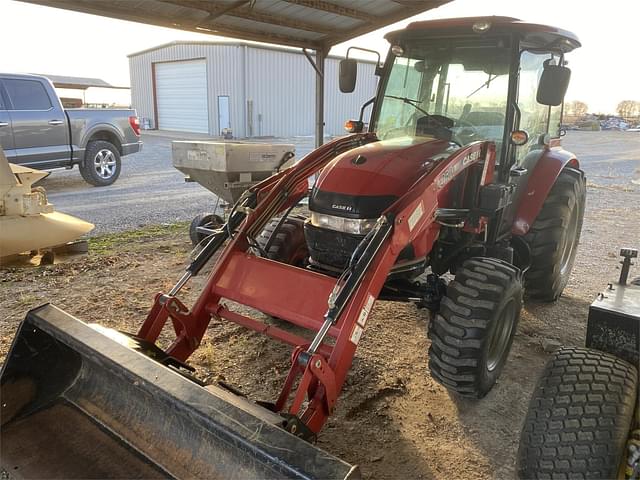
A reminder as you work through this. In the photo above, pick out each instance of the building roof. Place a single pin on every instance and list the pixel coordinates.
(235, 44)
(78, 83)
(314, 24)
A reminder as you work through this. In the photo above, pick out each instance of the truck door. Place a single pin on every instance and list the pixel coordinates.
(40, 131)
(6, 135)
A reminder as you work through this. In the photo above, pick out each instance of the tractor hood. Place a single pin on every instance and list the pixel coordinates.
(363, 182)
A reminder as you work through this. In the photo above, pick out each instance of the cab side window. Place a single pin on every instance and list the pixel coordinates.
(536, 119)
(555, 119)
(534, 116)
(27, 94)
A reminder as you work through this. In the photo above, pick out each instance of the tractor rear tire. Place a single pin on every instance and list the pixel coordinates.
(554, 236)
(579, 417)
(472, 334)
(289, 245)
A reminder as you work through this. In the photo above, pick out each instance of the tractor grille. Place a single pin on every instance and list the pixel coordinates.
(330, 247)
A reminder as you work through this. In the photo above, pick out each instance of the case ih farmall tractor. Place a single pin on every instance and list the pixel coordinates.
(461, 172)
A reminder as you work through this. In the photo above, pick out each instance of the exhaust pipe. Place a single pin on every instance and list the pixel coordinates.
(77, 403)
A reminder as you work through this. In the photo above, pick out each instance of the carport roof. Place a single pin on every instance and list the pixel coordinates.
(78, 83)
(314, 24)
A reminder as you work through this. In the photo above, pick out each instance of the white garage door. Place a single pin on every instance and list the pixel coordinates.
(181, 96)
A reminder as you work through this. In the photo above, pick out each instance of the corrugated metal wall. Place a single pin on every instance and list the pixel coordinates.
(272, 92)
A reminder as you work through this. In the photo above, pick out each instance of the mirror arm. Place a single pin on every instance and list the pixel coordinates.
(376, 53)
(364, 105)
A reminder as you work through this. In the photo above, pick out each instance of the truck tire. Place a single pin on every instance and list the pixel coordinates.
(472, 333)
(289, 245)
(203, 220)
(101, 166)
(554, 236)
(579, 417)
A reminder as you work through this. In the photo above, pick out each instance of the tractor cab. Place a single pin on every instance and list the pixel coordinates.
(472, 79)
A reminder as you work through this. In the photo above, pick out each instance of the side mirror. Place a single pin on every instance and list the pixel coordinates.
(553, 85)
(347, 74)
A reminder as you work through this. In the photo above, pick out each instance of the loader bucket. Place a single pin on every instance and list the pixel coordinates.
(77, 403)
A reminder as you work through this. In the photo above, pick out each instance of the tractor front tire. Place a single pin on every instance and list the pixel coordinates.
(289, 245)
(554, 236)
(472, 333)
(579, 417)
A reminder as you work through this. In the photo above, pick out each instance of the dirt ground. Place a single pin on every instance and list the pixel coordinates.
(392, 419)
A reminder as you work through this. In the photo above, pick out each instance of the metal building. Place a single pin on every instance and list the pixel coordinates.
(247, 89)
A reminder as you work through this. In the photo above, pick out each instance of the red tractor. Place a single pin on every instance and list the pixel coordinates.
(460, 172)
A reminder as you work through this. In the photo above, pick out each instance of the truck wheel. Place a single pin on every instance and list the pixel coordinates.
(101, 166)
(289, 245)
(579, 417)
(472, 334)
(209, 220)
(554, 237)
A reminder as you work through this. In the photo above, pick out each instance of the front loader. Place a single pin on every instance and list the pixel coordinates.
(460, 173)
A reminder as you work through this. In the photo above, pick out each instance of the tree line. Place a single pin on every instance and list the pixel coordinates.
(625, 109)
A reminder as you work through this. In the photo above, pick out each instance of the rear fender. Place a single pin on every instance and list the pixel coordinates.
(540, 182)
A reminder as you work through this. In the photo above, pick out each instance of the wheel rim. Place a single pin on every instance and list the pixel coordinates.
(105, 163)
(569, 243)
(499, 342)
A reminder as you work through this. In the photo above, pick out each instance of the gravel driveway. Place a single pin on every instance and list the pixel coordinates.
(151, 191)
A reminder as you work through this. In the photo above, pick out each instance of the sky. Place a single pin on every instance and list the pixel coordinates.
(605, 70)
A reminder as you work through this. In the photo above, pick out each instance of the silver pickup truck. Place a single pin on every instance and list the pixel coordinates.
(36, 131)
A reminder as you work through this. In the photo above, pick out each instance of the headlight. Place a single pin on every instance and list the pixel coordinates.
(355, 226)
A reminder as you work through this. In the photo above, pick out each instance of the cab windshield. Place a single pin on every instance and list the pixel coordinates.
(457, 88)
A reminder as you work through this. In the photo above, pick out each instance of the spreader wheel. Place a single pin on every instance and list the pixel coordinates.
(472, 334)
(579, 417)
(208, 220)
(288, 245)
(554, 237)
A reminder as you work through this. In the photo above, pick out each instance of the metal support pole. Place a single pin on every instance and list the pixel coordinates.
(320, 57)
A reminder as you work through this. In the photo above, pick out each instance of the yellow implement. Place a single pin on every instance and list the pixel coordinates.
(27, 220)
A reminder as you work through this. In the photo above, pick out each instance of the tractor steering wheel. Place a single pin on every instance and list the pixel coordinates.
(467, 134)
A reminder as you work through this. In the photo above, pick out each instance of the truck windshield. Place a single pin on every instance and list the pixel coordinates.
(460, 87)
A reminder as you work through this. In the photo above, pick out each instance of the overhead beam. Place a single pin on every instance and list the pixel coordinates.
(415, 9)
(211, 8)
(108, 9)
(336, 9)
(249, 13)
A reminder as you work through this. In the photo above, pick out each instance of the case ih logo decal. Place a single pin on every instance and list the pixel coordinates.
(344, 208)
(455, 167)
